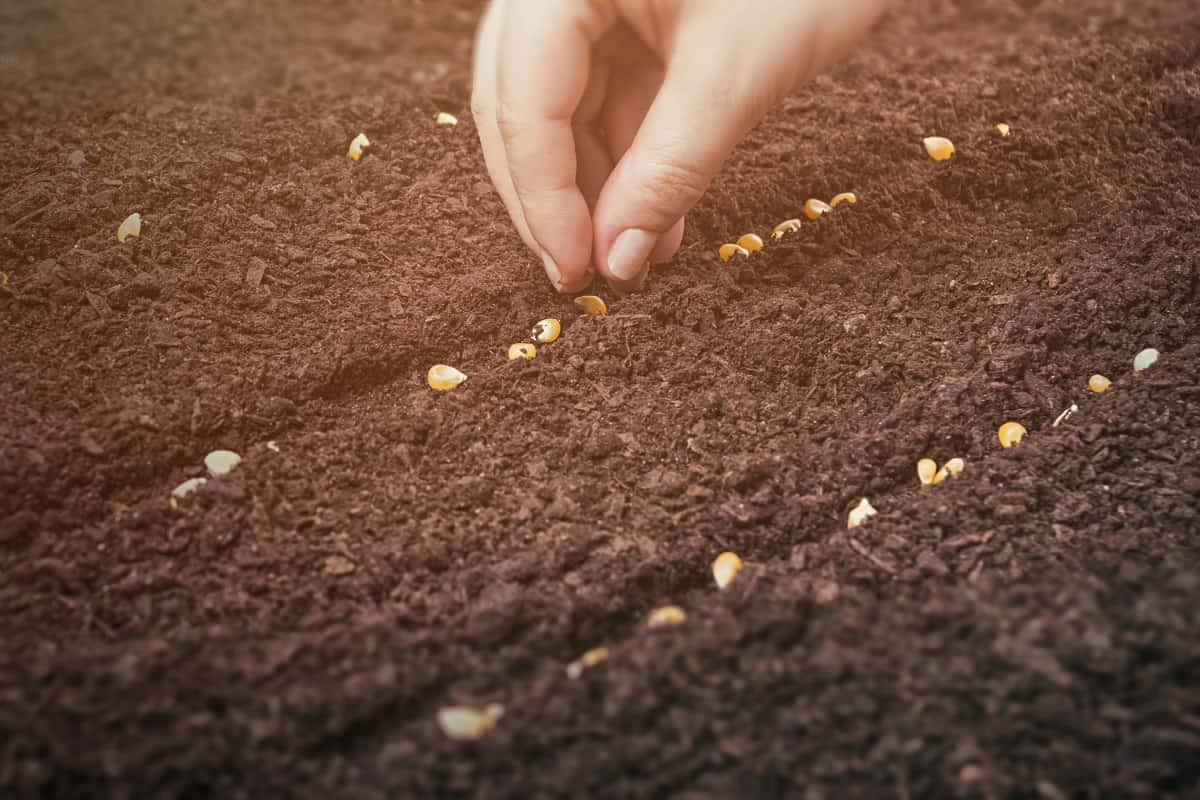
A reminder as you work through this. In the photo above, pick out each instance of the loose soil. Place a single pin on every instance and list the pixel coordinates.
(1028, 629)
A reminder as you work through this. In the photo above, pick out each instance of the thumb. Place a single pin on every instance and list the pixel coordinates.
(693, 124)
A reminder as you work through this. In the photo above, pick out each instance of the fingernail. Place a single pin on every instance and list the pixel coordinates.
(552, 270)
(630, 253)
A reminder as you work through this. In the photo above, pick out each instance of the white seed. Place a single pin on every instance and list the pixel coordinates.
(1145, 359)
(860, 513)
(464, 723)
(445, 119)
(725, 568)
(357, 145)
(274, 448)
(131, 226)
(186, 489)
(221, 462)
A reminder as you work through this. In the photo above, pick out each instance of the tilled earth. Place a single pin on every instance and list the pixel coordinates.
(1028, 629)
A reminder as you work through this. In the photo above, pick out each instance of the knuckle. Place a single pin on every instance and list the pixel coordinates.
(674, 185)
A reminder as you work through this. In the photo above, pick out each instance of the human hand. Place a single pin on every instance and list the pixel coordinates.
(603, 121)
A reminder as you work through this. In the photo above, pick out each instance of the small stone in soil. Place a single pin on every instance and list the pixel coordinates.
(77, 158)
(220, 463)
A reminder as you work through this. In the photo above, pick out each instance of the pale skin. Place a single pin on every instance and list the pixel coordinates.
(604, 121)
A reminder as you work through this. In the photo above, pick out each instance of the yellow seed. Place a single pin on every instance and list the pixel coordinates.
(591, 305)
(1003, 129)
(844, 197)
(666, 615)
(3, 279)
(926, 470)
(131, 226)
(186, 489)
(725, 568)
(1099, 384)
(955, 466)
(940, 476)
(751, 243)
(357, 144)
(939, 147)
(546, 331)
(860, 513)
(728, 251)
(442, 378)
(522, 350)
(465, 723)
(784, 228)
(586, 661)
(1145, 359)
(445, 119)
(1011, 433)
(813, 208)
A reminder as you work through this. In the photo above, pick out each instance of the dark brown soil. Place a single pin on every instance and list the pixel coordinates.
(1026, 630)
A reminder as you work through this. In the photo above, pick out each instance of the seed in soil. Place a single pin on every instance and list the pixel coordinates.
(844, 197)
(186, 489)
(1099, 384)
(522, 350)
(464, 723)
(586, 661)
(357, 145)
(939, 147)
(546, 331)
(814, 208)
(860, 513)
(1011, 433)
(446, 120)
(666, 615)
(1065, 415)
(220, 463)
(591, 305)
(728, 251)
(926, 470)
(274, 448)
(725, 568)
(1145, 359)
(952, 468)
(442, 378)
(3, 279)
(1003, 129)
(784, 228)
(131, 226)
(751, 243)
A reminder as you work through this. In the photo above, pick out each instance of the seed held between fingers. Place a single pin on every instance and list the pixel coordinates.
(939, 148)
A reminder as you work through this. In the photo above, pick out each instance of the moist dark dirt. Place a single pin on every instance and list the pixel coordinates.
(1026, 630)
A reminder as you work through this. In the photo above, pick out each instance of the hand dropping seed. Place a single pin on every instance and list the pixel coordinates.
(131, 226)
(1011, 433)
(442, 378)
(522, 350)
(357, 145)
(464, 723)
(666, 615)
(725, 568)
(1099, 384)
(546, 331)
(751, 243)
(939, 147)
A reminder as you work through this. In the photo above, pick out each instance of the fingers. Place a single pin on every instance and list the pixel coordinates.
(544, 70)
(483, 108)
